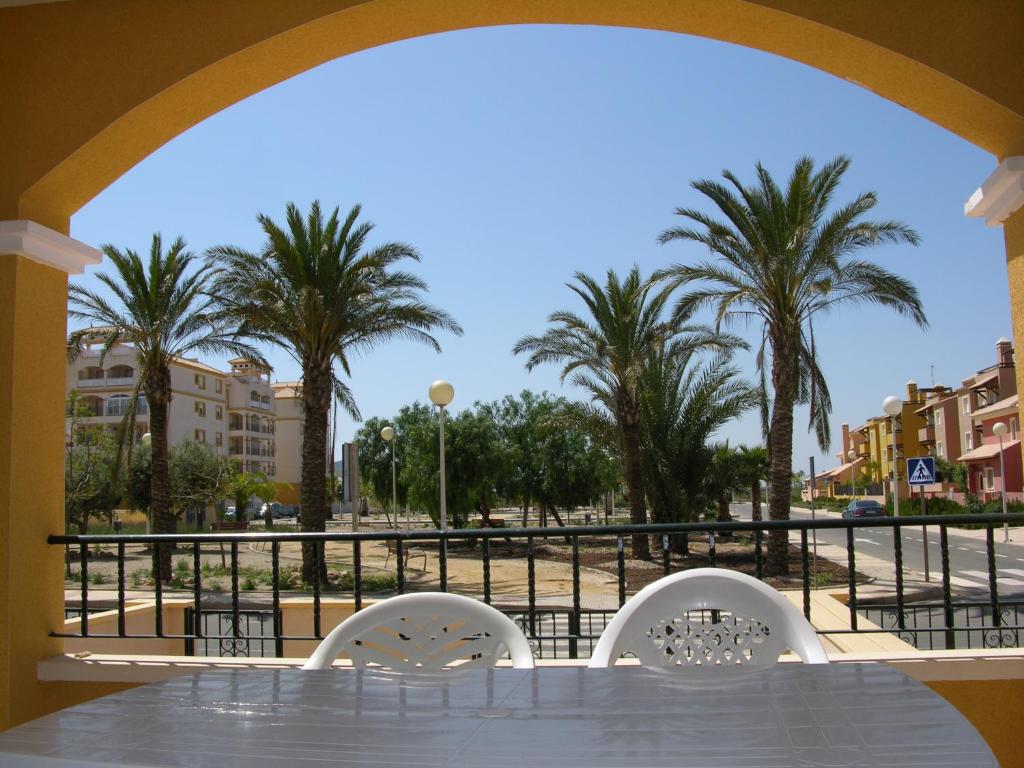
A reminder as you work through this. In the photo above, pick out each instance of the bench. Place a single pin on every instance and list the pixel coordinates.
(406, 552)
(230, 526)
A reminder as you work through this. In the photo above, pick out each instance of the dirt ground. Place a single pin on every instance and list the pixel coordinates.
(553, 568)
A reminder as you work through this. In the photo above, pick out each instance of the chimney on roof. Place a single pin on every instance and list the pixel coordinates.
(912, 396)
(1004, 351)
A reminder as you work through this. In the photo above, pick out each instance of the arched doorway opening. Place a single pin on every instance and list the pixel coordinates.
(177, 63)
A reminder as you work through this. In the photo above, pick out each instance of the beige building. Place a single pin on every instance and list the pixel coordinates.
(233, 412)
(290, 423)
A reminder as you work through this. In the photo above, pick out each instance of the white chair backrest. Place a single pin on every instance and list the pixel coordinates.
(425, 631)
(707, 616)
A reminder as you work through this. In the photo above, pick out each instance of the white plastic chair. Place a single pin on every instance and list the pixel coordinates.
(425, 631)
(755, 624)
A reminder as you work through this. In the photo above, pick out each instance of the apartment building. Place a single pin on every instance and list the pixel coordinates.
(885, 445)
(232, 412)
(985, 399)
(290, 424)
(940, 435)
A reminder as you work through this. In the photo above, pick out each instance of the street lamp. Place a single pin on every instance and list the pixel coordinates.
(999, 429)
(441, 394)
(388, 435)
(892, 406)
(852, 455)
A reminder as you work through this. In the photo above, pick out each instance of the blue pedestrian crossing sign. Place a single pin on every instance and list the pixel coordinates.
(921, 470)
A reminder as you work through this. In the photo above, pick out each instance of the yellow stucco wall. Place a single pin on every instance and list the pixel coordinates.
(32, 331)
(90, 87)
(994, 708)
(946, 60)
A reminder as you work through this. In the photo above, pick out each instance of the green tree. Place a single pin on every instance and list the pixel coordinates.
(604, 355)
(686, 399)
(474, 458)
(241, 487)
(727, 474)
(783, 258)
(162, 308)
(575, 470)
(92, 485)
(139, 480)
(953, 472)
(198, 477)
(318, 291)
(755, 466)
(375, 461)
(517, 419)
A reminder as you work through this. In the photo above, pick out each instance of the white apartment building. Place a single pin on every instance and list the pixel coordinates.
(233, 412)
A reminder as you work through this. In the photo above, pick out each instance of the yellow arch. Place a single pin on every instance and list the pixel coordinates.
(166, 66)
(90, 87)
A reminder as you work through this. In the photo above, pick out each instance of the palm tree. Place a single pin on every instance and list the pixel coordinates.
(162, 309)
(684, 402)
(755, 464)
(606, 354)
(784, 259)
(318, 291)
(726, 475)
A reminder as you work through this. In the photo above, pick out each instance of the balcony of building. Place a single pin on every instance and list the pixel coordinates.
(94, 377)
(966, 647)
(926, 434)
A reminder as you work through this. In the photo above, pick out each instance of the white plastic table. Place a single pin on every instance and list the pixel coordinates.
(786, 715)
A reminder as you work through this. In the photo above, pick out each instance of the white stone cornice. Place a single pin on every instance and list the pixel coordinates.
(1001, 194)
(47, 246)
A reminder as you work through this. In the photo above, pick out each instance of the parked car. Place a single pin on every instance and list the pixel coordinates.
(863, 508)
(229, 514)
(276, 510)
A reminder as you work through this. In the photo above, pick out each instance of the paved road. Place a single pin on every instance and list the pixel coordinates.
(967, 554)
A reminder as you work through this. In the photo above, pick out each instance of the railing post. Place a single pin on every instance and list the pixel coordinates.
(531, 585)
(947, 599)
(805, 576)
(120, 589)
(400, 570)
(357, 574)
(275, 578)
(993, 589)
(897, 547)
(197, 591)
(486, 557)
(574, 618)
(620, 556)
(851, 566)
(758, 554)
(83, 559)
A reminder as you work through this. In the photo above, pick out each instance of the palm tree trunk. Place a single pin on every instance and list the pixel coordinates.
(781, 440)
(723, 515)
(316, 395)
(164, 520)
(635, 486)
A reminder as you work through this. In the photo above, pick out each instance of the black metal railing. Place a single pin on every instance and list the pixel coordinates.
(569, 631)
(974, 624)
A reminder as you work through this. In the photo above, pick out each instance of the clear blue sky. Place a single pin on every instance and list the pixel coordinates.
(511, 157)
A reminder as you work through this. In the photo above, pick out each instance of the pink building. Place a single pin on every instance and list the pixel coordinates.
(983, 466)
(988, 398)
